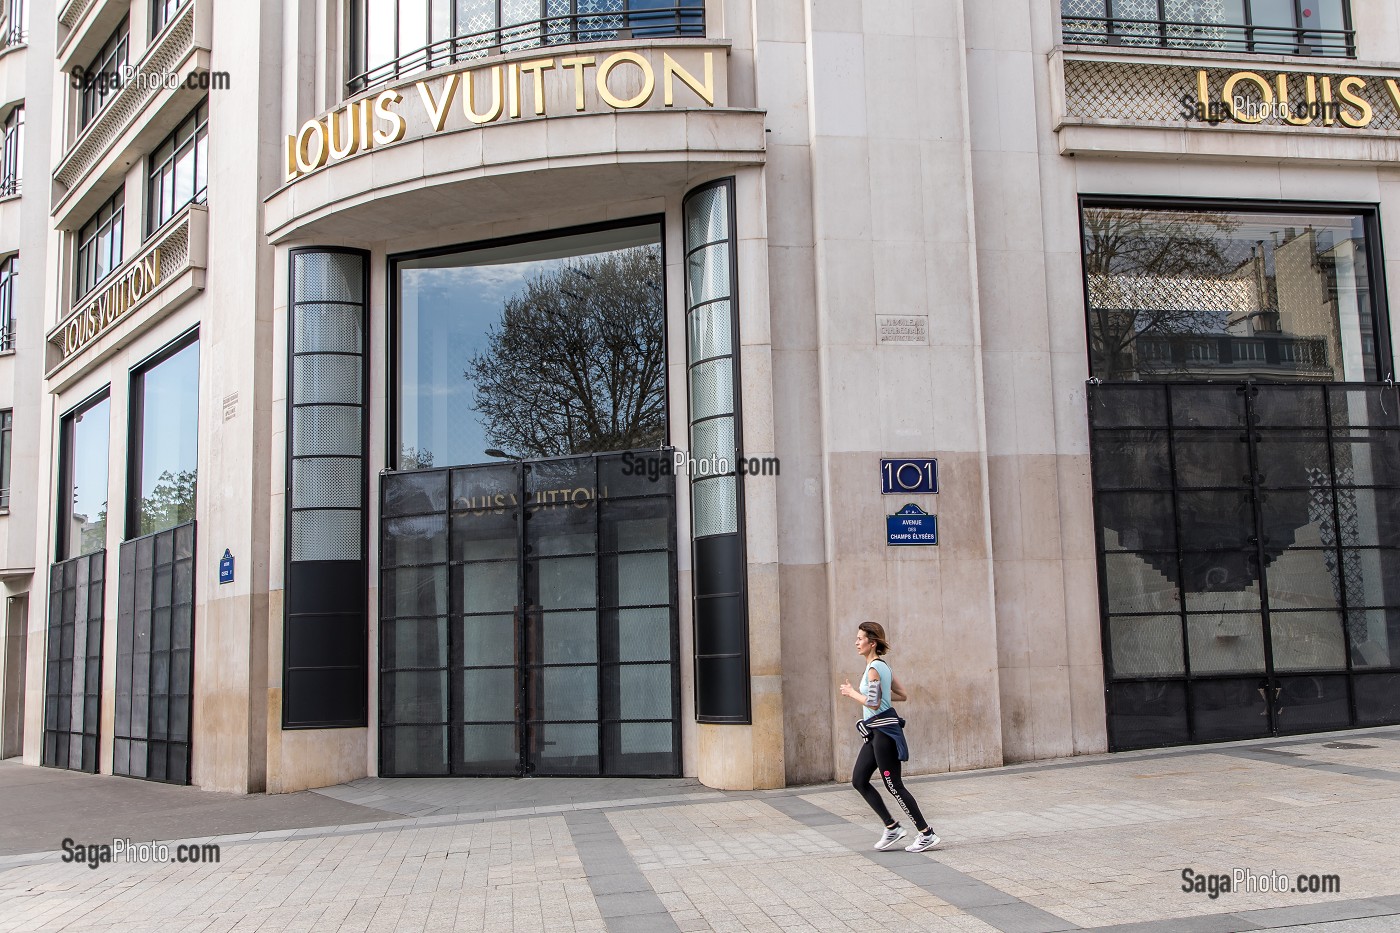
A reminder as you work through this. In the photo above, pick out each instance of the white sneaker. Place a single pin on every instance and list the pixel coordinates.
(923, 842)
(891, 837)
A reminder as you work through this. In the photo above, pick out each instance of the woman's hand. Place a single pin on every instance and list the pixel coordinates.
(848, 691)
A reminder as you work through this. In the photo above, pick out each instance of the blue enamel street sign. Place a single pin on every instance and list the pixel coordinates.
(911, 525)
(908, 477)
(226, 567)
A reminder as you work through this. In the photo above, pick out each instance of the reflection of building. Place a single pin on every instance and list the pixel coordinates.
(318, 279)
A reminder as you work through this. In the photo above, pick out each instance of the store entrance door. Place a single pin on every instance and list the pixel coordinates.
(528, 620)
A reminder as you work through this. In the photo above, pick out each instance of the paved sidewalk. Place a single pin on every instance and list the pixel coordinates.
(1098, 842)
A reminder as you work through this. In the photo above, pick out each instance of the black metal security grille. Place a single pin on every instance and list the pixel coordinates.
(326, 654)
(73, 687)
(1202, 25)
(444, 33)
(1249, 558)
(155, 656)
(532, 639)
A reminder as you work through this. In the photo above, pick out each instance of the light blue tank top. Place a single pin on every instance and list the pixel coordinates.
(886, 681)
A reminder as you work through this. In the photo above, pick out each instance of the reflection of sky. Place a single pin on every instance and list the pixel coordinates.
(170, 442)
(446, 308)
(446, 314)
(89, 459)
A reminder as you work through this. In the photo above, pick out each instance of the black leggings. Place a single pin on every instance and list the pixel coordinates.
(881, 752)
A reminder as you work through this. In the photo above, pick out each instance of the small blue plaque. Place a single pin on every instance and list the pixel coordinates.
(911, 525)
(226, 567)
(909, 477)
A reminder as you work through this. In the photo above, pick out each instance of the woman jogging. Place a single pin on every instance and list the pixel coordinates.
(884, 741)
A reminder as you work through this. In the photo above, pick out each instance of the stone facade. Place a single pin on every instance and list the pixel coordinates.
(911, 159)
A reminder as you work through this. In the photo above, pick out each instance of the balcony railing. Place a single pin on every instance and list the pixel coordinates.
(658, 19)
(7, 335)
(1229, 38)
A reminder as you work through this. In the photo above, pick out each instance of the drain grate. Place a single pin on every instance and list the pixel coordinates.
(1347, 745)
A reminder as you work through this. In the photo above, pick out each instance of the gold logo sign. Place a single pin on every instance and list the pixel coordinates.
(488, 94)
(1289, 98)
(130, 291)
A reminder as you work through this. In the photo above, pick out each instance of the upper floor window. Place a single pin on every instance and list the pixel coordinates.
(1200, 291)
(1275, 27)
(179, 171)
(14, 23)
(391, 38)
(6, 424)
(102, 79)
(162, 12)
(12, 155)
(9, 279)
(84, 441)
(100, 245)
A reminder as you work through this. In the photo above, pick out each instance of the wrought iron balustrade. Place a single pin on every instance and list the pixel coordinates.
(562, 22)
(1161, 32)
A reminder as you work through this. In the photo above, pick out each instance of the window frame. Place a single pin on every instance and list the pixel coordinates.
(163, 12)
(392, 319)
(685, 19)
(67, 423)
(195, 126)
(12, 154)
(114, 53)
(1375, 258)
(7, 427)
(85, 243)
(9, 275)
(136, 425)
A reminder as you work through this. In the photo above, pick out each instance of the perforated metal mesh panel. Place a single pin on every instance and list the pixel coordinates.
(1153, 92)
(325, 662)
(320, 430)
(326, 483)
(325, 535)
(329, 328)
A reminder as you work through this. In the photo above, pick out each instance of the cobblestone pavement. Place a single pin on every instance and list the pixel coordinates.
(1091, 843)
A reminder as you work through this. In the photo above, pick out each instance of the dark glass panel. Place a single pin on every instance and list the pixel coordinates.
(415, 749)
(1377, 699)
(1225, 643)
(1131, 460)
(1312, 704)
(1211, 458)
(1128, 406)
(1215, 520)
(1229, 709)
(420, 539)
(1366, 458)
(1375, 637)
(1221, 581)
(564, 748)
(1308, 641)
(1145, 715)
(1146, 646)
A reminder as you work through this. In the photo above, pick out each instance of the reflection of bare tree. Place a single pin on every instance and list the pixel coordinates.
(1167, 272)
(578, 361)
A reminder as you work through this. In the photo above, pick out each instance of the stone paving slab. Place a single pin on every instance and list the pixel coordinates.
(1091, 843)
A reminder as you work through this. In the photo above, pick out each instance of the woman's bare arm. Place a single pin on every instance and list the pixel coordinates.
(896, 691)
